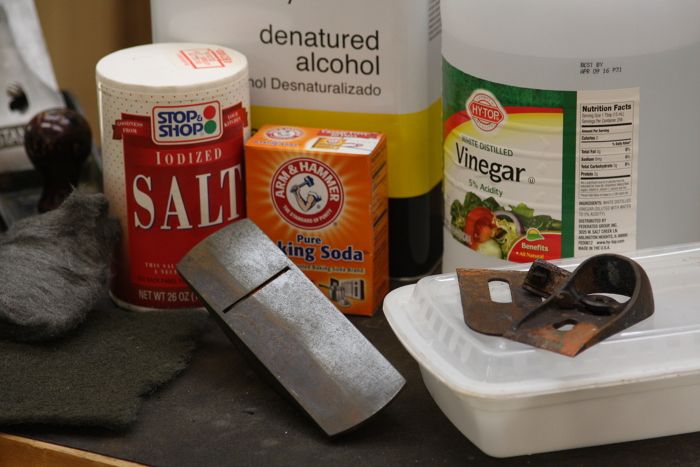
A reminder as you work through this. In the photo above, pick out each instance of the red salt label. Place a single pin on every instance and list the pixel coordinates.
(176, 195)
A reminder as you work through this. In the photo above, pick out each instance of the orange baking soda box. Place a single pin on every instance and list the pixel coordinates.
(321, 196)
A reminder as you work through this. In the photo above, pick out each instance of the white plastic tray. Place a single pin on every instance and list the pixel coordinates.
(511, 399)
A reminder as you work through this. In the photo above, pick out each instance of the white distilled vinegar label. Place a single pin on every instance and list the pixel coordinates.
(539, 174)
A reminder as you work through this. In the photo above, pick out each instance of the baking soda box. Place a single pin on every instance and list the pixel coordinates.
(321, 196)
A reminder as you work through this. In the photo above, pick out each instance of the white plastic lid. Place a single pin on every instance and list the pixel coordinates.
(427, 318)
(171, 67)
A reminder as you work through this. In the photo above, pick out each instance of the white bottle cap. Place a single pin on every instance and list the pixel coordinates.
(167, 68)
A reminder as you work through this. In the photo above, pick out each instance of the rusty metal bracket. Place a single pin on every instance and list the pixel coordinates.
(557, 310)
(288, 328)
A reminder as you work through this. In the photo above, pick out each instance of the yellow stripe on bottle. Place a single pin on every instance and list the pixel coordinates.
(414, 140)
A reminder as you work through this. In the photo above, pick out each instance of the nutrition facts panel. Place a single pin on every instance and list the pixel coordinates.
(606, 154)
(605, 142)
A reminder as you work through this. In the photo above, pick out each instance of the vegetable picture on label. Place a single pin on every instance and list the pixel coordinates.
(502, 232)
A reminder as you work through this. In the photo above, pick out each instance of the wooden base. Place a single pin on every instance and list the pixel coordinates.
(16, 451)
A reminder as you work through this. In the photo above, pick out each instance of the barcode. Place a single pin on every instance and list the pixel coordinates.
(434, 20)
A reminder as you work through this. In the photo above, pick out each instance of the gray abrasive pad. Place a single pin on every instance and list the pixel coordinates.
(98, 374)
(54, 268)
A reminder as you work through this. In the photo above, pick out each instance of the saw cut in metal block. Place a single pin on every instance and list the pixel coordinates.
(283, 322)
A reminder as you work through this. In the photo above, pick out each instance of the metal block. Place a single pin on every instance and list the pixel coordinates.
(282, 321)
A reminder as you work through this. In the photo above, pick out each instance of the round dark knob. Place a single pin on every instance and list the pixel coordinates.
(57, 141)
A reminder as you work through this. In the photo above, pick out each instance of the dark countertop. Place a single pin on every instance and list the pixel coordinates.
(219, 412)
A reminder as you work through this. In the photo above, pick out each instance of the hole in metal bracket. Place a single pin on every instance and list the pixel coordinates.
(566, 325)
(500, 291)
(617, 297)
(602, 304)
